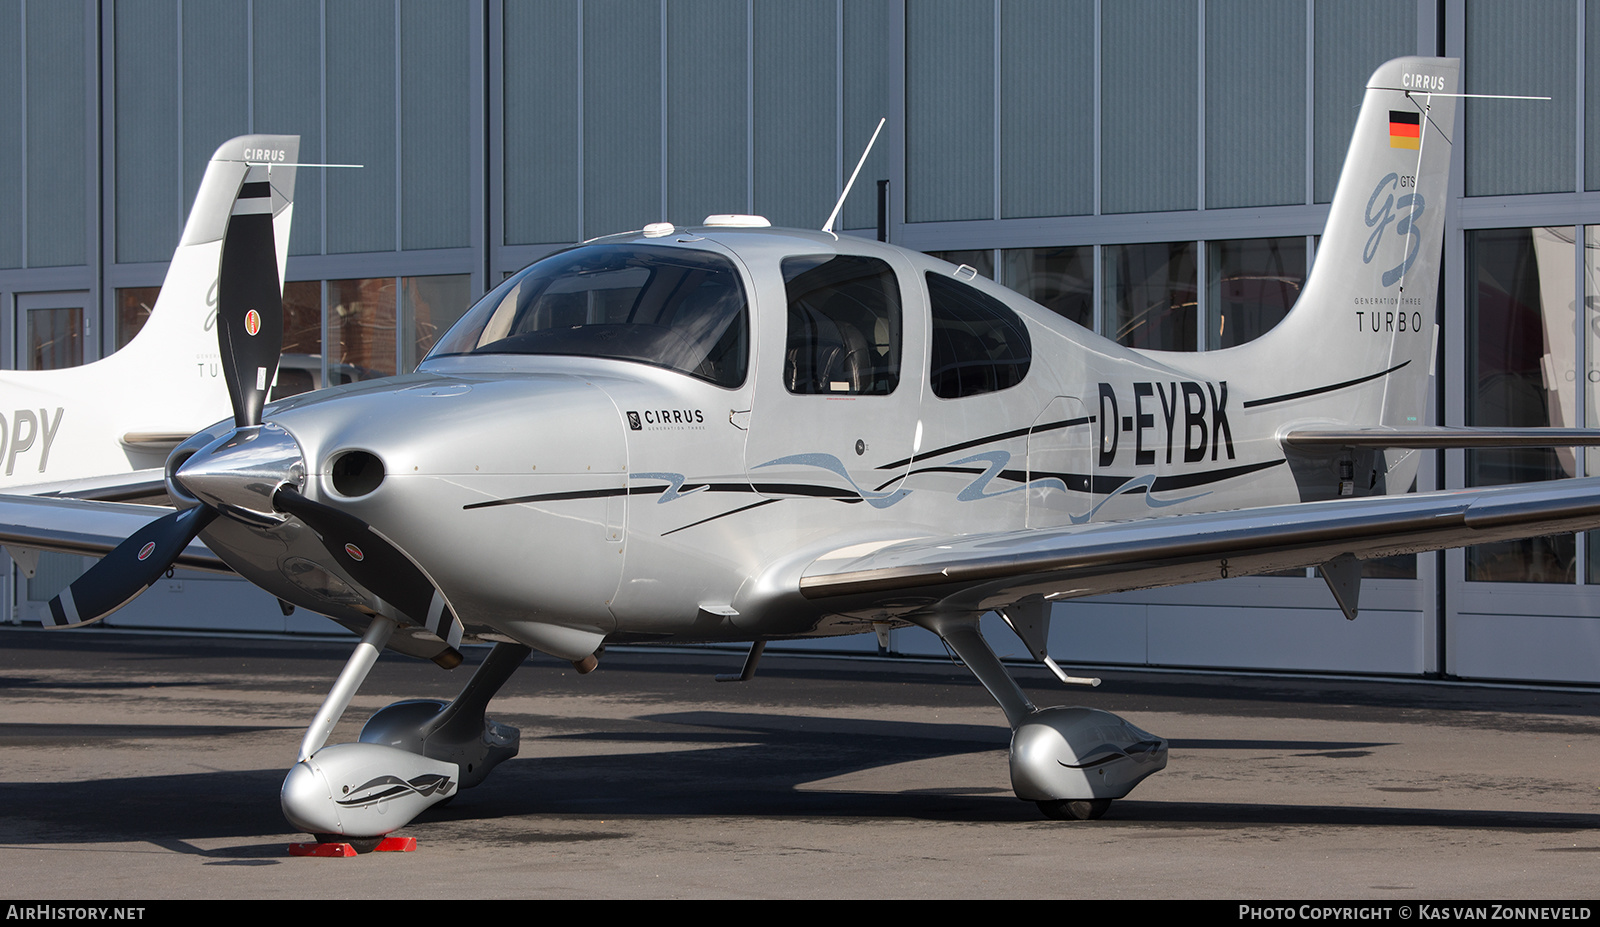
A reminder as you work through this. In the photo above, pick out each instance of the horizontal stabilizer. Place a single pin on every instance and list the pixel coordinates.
(162, 441)
(1436, 437)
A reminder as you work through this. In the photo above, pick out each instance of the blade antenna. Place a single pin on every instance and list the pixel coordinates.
(828, 226)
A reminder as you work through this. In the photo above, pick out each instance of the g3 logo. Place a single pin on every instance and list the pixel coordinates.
(1405, 224)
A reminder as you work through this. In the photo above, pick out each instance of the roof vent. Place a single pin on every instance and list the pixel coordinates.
(658, 229)
(738, 222)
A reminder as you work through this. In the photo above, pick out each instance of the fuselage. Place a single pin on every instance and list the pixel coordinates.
(876, 395)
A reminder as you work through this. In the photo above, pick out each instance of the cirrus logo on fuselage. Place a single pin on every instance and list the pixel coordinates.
(666, 418)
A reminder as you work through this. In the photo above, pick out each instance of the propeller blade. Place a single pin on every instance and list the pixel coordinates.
(250, 300)
(376, 563)
(128, 570)
(250, 337)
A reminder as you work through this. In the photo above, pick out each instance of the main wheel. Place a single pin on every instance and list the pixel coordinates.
(1074, 809)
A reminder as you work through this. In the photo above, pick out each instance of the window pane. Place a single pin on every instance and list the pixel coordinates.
(1149, 120)
(1255, 63)
(1059, 279)
(1253, 285)
(844, 325)
(302, 317)
(1519, 324)
(1150, 294)
(1591, 379)
(134, 305)
(300, 368)
(677, 308)
(429, 306)
(979, 346)
(1528, 45)
(980, 260)
(949, 48)
(1400, 566)
(361, 326)
(55, 338)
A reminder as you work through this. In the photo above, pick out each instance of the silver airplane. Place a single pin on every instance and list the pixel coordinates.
(738, 433)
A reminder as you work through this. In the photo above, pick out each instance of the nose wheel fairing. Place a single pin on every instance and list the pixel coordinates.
(364, 790)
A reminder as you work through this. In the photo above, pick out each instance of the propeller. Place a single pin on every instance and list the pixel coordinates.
(376, 563)
(127, 571)
(250, 335)
(251, 474)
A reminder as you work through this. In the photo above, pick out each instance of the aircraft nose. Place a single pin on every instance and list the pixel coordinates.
(238, 473)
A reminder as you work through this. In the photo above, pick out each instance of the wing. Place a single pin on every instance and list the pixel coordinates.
(142, 486)
(983, 571)
(88, 528)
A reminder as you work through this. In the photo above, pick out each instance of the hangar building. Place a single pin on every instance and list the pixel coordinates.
(1157, 170)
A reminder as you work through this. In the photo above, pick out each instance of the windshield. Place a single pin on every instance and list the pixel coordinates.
(670, 307)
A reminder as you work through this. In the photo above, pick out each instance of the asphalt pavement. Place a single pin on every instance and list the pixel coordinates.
(148, 767)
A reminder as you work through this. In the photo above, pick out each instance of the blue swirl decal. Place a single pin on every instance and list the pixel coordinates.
(1147, 482)
(997, 462)
(878, 500)
(676, 480)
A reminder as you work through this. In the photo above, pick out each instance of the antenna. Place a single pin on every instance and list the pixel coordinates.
(828, 226)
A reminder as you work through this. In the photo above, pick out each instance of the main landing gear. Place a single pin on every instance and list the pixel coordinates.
(1072, 762)
(410, 756)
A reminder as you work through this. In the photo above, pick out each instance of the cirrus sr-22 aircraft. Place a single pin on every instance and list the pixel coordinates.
(738, 433)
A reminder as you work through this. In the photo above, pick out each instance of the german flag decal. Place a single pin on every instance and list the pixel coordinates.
(1405, 130)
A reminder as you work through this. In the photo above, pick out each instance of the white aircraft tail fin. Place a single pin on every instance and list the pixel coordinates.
(124, 412)
(259, 169)
(1359, 344)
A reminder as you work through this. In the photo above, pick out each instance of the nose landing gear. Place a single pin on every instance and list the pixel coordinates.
(411, 755)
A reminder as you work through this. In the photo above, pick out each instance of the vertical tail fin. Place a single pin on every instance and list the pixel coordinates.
(126, 411)
(182, 325)
(1362, 336)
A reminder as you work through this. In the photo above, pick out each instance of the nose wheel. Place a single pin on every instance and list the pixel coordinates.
(1074, 809)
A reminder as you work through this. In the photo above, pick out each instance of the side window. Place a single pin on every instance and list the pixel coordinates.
(979, 346)
(844, 325)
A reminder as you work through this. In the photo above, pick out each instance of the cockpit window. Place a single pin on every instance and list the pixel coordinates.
(979, 346)
(671, 307)
(844, 325)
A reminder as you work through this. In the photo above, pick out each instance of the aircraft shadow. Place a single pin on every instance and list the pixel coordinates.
(687, 764)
